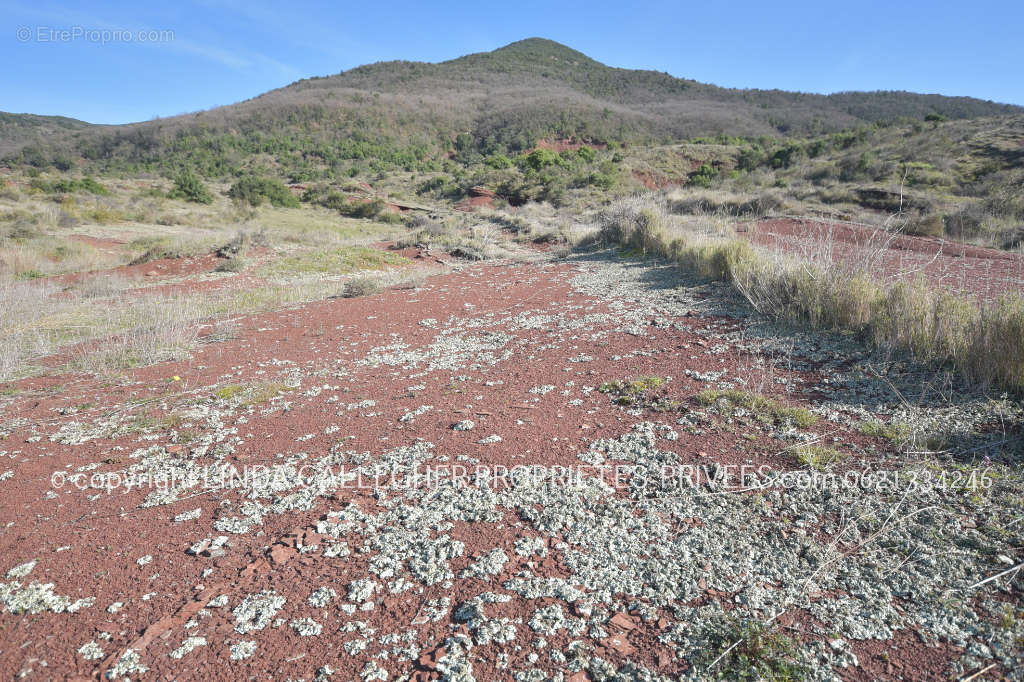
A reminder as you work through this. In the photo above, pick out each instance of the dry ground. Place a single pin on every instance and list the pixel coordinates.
(655, 536)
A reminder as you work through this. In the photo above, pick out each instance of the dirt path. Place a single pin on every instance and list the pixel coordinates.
(328, 557)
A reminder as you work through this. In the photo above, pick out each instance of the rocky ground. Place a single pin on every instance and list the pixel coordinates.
(565, 469)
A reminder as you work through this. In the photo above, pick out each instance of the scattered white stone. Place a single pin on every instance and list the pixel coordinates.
(322, 597)
(189, 515)
(218, 602)
(373, 671)
(188, 646)
(548, 620)
(361, 590)
(21, 570)
(490, 564)
(410, 416)
(242, 650)
(126, 665)
(355, 646)
(307, 627)
(91, 651)
(256, 611)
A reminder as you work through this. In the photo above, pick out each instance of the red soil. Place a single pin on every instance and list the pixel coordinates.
(100, 539)
(984, 273)
(163, 268)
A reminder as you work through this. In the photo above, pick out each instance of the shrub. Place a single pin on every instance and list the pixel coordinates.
(498, 161)
(88, 184)
(189, 187)
(240, 243)
(703, 176)
(68, 186)
(253, 190)
(361, 286)
(232, 264)
(928, 226)
(965, 223)
(363, 209)
(540, 158)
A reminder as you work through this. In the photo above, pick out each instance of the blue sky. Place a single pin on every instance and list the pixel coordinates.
(223, 52)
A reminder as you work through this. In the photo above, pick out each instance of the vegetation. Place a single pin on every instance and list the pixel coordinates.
(751, 651)
(764, 408)
(332, 262)
(69, 186)
(254, 190)
(409, 116)
(639, 392)
(188, 186)
(985, 343)
(488, 127)
(818, 457)
(361, 286)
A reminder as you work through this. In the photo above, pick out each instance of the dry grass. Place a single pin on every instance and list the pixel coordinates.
(361, 286)
(24, 331)
(101, 324)
(984, 342)
(109, 328)
(105, 329)
(153, 329)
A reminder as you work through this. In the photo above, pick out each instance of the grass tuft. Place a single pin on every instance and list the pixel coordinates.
(983, 342)
(760, 405)
(361, 286)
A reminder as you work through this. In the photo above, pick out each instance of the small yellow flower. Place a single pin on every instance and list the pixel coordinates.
(177, 378)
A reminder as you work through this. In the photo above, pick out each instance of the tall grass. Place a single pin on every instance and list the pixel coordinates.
(105, 331)
(102, 326)
(984, 342)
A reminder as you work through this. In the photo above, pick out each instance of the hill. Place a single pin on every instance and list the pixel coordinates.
(18, 130)
(411, 114)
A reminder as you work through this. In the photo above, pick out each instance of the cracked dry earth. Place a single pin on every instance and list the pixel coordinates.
(127, 554)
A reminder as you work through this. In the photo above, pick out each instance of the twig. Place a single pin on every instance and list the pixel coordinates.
(979, 673)
(997, 575)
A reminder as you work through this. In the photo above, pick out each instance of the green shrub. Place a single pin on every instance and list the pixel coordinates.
(68, 186)
(703, 176)
(253, 190)
(362, 209)
(749, 651)
(188, 186)
(540, 158)
(498, 161)
(87, 184)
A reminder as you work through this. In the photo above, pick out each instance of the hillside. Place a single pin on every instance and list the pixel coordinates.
(17, 130)
(410, 114)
